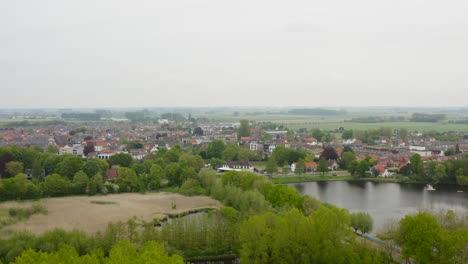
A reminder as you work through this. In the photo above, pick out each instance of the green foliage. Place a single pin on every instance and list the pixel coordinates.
(69, 166)
(309, 204)
(323, 237)
(121, 159)
(56, 185)
(215, 149)
(80, 183)
(95, 166)
(14, 167)
(361, 221)
(322, 165)
(26, 212)
(359, 168)
(282, 196)
(127, 180)
(271, 166)
(155, 177)
(462, 180)
(231, 151)
(417, 164)
(300, 167)
(95, 184)
(347, 134)
(284, 155)
(207, 178)
(192, 187)
(241, 179)
(346, 159)
(122, 252)
(423, 239)
(18, 188)
(244, 129)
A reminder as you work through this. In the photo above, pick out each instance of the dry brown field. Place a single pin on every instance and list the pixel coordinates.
(93, 213)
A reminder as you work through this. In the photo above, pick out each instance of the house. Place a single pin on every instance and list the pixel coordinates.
(242, 165)
(380, 169)
(271, 148)
(76, 150)
(332, 165)
(310, 166)
(111, 174)
(253, 146)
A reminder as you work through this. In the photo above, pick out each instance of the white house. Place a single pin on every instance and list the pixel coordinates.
(76, 150)
(271, 148)
(254, 146)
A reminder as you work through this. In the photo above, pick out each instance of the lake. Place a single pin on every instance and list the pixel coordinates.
(385, 201)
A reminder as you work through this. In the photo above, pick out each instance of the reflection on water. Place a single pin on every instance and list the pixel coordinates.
(386, 200)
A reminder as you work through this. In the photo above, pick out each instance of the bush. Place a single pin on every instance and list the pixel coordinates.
(25, 213)
(192, 187)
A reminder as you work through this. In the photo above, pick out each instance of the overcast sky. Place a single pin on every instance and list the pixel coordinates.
(114, 53)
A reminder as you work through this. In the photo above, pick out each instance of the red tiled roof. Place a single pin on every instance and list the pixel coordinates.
(111, 174)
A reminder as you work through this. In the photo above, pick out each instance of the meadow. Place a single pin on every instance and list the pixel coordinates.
(92, 214)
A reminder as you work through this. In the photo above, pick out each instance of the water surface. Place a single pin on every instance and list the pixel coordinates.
(386, 200)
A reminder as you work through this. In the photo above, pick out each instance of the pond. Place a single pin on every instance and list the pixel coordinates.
(386, 201)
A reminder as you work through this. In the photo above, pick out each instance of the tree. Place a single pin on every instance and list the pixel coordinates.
(80, 183)
(69, 166)
(95, 184)
(231, 151)
(173, 174)
(95, 166)
(403, 133)
(88, 148)
(155, 177)
(271, 166)
(135, 144)
(121, 159)
(416, 164)
(419, 236)
(127, 180)
(244, 129)
(322, 166)
(329, 153)
(361, 221)
(318, 134)
(347, 134)
(198, 131)
(440, 173)
(215, 149)
(56, 185)
(346, 159)
(135, 116)
(51, 149)
(309, 204)
(300, 167)
(14, 168)
(362, 168)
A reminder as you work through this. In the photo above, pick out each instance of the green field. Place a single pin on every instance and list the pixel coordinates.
(334, 122)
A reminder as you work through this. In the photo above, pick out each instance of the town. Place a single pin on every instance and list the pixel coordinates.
(244, 145)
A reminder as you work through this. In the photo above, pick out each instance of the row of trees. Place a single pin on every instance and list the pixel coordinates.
(450, 171)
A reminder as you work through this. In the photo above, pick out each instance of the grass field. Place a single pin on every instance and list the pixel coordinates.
(334, 122)
(92, 214)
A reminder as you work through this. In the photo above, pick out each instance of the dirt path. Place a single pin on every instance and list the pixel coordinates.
(92, 213)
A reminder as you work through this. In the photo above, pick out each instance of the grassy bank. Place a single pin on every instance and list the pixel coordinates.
(283, 180)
